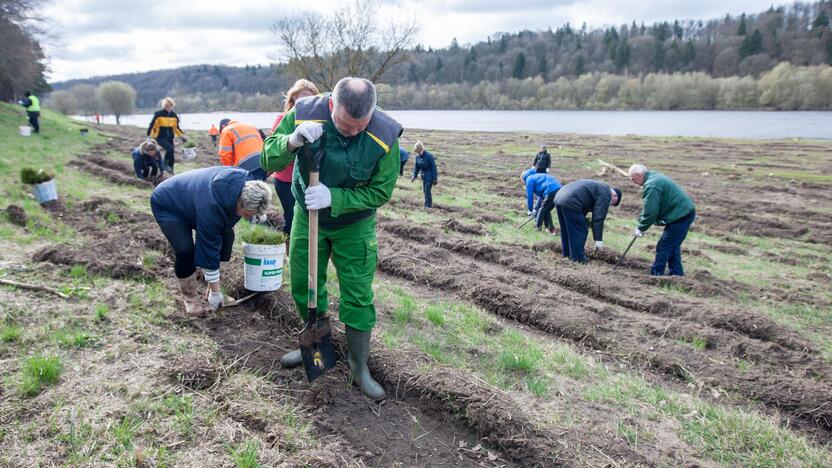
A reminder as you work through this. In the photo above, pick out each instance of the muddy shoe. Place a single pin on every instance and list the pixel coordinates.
(358, 343)
(291, 359)
(194, 307)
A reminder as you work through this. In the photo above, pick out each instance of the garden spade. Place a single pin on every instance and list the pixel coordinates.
(315, 339)
(625, 253)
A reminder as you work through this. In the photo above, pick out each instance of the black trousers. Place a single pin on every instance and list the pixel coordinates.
(544, 215)
(181, 238)
(287, 202)
(33, 120)
(168, 146)
(401, 167)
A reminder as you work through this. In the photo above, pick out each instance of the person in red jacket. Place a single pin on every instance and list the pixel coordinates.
(283, 179)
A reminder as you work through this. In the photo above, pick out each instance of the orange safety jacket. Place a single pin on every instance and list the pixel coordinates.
(213, 131)
(238, 142)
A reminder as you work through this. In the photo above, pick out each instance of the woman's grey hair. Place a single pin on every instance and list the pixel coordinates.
(356, 95)
(637, 169)
(149, 145)
(418, 147)
(256, 196)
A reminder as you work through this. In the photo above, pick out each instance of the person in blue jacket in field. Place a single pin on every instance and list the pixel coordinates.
(544, 186)
(147, 161)
(209, 201)
(403, 157)
(427, 165)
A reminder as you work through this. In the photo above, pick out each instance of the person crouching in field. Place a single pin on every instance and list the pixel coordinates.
(430, 175)
(147, 162)
(665, 204)
(209, 201)
(573, 202)
(544, 186)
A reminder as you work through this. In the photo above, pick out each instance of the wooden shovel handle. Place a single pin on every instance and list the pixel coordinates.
(313, 249)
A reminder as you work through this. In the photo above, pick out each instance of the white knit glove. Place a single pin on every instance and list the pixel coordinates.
(318, 197)
(311, 131)
(215, 300)
(599, 245)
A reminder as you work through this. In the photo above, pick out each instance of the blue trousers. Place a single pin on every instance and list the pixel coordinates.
(287, 202)
(669, 248)
(573, 233)
(427, 185)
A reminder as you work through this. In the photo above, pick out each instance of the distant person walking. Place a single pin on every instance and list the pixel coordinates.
(32, 105)
(426, 164)
(543, 160)
(665, 204)
(283, 178)
(163, 128)
(573, 202)
(97, 118)
(213, 133)
(147, 161)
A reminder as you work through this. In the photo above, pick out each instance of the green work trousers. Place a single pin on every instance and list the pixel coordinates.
(354, 252)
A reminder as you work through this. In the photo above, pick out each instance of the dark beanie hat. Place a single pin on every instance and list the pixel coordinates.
(618, 193)
(223, 123)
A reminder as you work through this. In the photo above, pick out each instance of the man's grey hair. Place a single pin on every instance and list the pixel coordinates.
(637, 169)
(356, 95)
(256, 196)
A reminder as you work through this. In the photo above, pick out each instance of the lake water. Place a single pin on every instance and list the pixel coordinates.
(723, 124)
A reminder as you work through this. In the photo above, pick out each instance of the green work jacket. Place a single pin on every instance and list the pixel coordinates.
(664, 201)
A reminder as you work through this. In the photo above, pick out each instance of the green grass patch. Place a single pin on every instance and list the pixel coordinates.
(245, 455)
(39, 372)
(259, 234)
(101, 311)
(10, 333)
(71, 337)
(435, 315)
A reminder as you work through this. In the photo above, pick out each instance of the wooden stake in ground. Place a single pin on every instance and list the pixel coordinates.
(615, 168)
(33, 287)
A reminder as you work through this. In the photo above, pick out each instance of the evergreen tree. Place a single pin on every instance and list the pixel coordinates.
(580, 65)
(688, 53)
(543, 65)
(741, 28)
(519, 65)
(821, 21)
(658, 56)
(752, 44)
(677, 30)
(622, 56)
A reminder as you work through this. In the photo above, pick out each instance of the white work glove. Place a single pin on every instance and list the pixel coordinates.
(638, 233)
(260, 219)
(215, 300)
(318, 197)
(530, 213)
(309, 130)
(599, 245)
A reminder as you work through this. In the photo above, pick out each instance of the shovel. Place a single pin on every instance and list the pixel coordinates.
(625, 253)
(315, 339)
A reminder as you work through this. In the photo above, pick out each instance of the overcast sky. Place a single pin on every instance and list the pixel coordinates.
(105, 37)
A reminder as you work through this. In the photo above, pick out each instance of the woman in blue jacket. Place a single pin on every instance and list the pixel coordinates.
(147, 161)
(427, 165)
(209, 201)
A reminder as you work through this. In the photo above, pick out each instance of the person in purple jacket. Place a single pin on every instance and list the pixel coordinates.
(544, 186)
(209, 201)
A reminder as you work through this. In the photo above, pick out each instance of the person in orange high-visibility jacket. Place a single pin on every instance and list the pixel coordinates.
(240, 145)
(213, 133)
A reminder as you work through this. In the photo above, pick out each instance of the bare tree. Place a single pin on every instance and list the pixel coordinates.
(116, 97)
(87, 102)
(63, 102)
(21, 62)
(347, 42)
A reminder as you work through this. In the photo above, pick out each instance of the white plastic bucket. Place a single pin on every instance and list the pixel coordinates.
(190, 154)
(46, 191)
(25, 130)
(263, 266)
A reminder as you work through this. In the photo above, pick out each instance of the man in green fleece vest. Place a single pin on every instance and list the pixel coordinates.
(665, 204)
(358, 173)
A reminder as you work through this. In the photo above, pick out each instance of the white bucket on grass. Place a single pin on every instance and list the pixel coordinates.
(190, 154)
(45, 192)
(263, 266)
(25, 130)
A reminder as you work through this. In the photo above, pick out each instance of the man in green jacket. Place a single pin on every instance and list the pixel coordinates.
(32, 105)
(665, 204)
(357, 175)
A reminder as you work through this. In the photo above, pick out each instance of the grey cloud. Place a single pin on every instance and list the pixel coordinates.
(98, 51)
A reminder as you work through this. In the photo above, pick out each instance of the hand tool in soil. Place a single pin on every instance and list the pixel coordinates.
(625, 253)
(527, 221)
(241, 300)
(315, 339)
(614, 167)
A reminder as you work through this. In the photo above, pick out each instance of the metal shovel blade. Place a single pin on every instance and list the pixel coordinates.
(316, 348)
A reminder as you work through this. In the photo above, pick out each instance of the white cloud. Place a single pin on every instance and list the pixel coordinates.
(102, 37)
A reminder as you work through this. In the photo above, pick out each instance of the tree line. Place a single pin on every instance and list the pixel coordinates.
(22, 62)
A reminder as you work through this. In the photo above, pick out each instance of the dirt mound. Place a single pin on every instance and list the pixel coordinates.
(193, 371)
(464, 228)
(116, 177)
(17, 215)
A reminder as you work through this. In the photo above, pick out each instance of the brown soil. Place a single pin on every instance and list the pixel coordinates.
(16, 215)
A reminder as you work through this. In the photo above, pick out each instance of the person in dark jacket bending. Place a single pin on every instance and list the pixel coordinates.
(164, 126)
(403, 157)
(543, 160)
(209, 201)
(146, 160)
(573, 202)
(427, 165)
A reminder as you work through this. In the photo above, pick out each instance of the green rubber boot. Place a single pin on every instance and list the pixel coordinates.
(358, 344)
(291, 359)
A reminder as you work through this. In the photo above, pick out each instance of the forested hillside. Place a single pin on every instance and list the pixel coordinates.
(748, 46)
